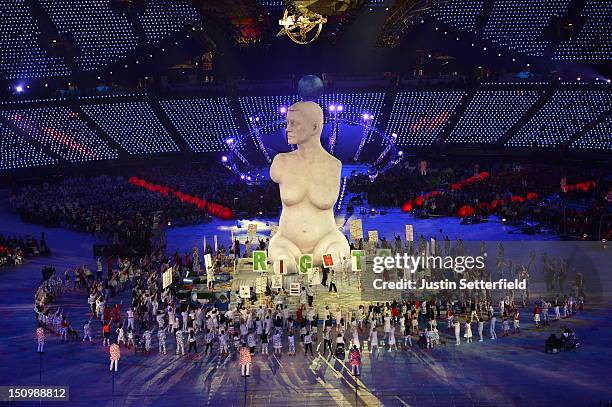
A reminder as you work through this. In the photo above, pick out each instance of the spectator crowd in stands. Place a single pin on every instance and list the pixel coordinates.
(110, 206)
(513, 192)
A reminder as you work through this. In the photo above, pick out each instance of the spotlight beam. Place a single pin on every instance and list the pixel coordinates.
(364, 138)
(257, 136)
(333, 138)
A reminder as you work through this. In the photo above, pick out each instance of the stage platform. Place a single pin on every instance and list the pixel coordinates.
(511, 371)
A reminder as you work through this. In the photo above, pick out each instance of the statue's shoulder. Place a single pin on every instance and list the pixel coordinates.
(278, 164)
(333, 162)
(281, 158)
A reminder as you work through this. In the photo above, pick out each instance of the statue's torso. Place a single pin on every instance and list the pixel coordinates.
(309, 190)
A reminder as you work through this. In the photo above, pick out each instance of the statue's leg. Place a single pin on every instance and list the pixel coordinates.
(281, 248)
(335, 243)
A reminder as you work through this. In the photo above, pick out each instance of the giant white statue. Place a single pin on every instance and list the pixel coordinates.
(309, 181)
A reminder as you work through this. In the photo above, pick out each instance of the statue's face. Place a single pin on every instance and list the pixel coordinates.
(298, 130)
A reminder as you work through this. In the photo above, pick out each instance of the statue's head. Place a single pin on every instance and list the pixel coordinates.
(304, 123)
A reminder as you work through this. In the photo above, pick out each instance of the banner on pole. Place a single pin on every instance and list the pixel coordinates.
(252, 230)
(208, 263)
(409, 233)
(356, 229)
(167, 278)
(373, 235)
(260, 285)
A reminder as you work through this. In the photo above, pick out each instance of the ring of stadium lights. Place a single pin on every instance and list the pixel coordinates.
(234, 161)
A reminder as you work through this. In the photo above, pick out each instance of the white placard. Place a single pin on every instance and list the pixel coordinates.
(314, 277)
(277, 281)
(167, 278)
(245, 291)
(260, 285)
(294, 289)
(373, 236)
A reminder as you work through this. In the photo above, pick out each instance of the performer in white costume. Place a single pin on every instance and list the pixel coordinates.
(309, 181)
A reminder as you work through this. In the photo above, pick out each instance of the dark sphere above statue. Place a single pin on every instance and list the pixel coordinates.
(310, 88)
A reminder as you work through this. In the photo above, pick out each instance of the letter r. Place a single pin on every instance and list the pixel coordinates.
(260, 260)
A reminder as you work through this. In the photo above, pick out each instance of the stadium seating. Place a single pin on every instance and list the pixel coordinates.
(353, 106)
(275, 4)
(566, 113)
(21, 54)
(461, 14)
(163, 18)
(490, 114)
(418, 117)
(133, 125)
(594, 40)
(102, 35)
(519, 24)
(205, 124)
(62, 131)
(262, 111)
(16, 152)
(598, 138)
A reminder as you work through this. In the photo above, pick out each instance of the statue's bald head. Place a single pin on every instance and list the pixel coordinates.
(311, 112)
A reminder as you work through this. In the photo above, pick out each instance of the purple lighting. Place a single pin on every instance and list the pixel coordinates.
(340, 108)
(400, 153)
(229, 140)
(332, 108)
(224, 159)
(366, 116)
(19, 88)
(242, 176)
(283, 110)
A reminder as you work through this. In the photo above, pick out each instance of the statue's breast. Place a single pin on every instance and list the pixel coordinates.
(293, 191)
(322, 196)
(312, 182)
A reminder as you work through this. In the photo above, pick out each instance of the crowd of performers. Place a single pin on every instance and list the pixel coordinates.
(157, 318)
